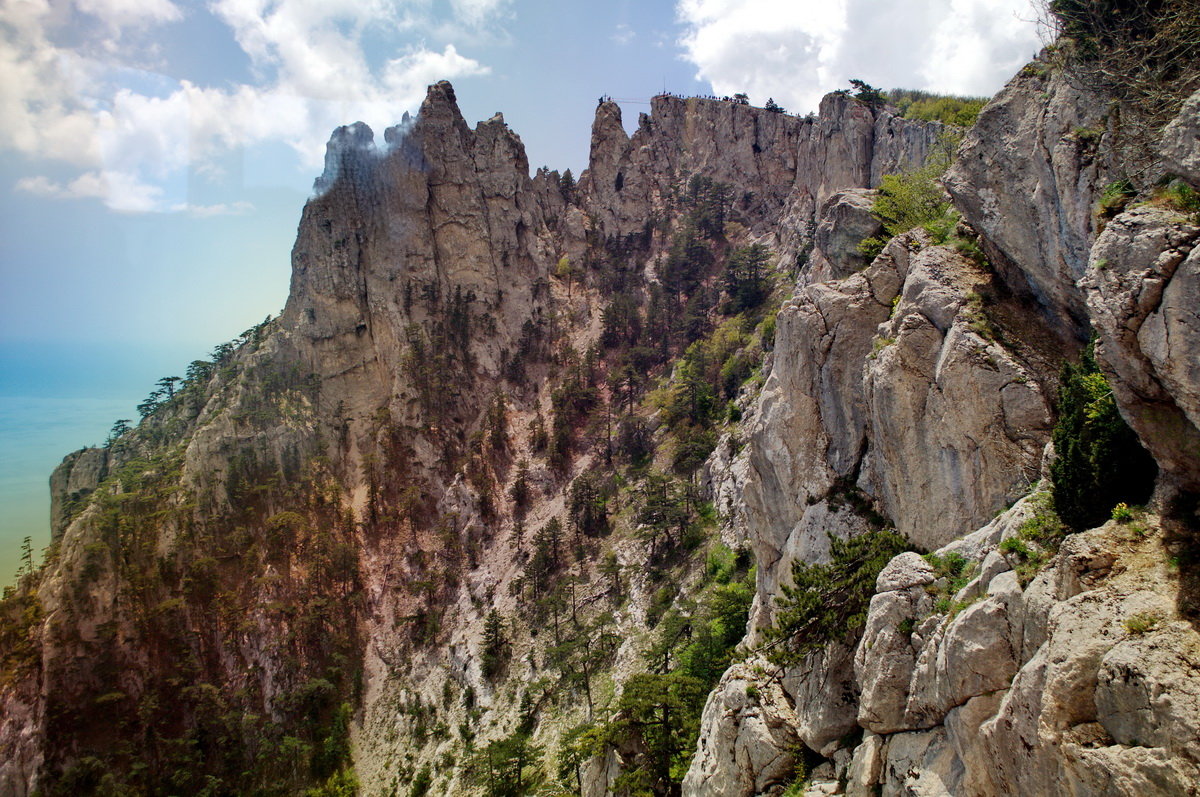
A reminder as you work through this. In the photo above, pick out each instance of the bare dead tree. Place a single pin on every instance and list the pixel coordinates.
(1143, 54)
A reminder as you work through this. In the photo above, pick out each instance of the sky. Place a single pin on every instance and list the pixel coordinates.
(155, 154)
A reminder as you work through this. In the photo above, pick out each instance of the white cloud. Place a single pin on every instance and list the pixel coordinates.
(312, 74)
(978, 40)
(120, 191)
(123, 193)
(623, 34)
(796, 52)
(476, 13)
(220, 209)
(131, 13)
(41, 113)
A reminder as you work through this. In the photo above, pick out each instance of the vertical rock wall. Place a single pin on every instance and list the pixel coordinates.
(927, 383)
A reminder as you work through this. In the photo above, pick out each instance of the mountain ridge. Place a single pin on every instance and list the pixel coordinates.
(315, 544)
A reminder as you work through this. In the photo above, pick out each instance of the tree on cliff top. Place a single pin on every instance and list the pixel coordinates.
(865, 92)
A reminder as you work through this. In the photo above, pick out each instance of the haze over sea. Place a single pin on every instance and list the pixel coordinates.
(54, 399)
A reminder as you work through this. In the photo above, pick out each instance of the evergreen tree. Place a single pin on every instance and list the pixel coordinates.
(662, 710)
(746, 277)
(588, 505)
(493, 644)
(507, 767)
(864, 92)
(828, 602)
(566, 184)
(1098, 459)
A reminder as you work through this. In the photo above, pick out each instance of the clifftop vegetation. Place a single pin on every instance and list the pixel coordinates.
(931, 107)
(1144, 53)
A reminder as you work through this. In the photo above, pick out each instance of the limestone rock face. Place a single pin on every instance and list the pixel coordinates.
(881, 382)
(70, 484)
(1027, 180)
(957, 422)
(599, 775)
(750, 149)
(886, 658)
(1180, 145)
(1145, 696)
(21, 726)
(440, 215)
(770, 160)
(1141, 288)
(825, 697)
(844, 220)
(810, 425)
(748, 747)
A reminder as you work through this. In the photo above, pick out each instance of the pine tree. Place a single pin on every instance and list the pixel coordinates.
(494, 644)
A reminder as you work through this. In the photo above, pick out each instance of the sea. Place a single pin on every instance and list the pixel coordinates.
(56, 398)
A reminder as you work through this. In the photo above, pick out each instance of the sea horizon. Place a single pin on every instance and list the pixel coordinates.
(56, 398)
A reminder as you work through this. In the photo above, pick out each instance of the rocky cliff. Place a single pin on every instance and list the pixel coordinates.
(523, 461)
(1007, 678)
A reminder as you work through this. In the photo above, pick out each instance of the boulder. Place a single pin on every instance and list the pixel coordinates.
(1180, 145)
(843, 221)
(747, 738)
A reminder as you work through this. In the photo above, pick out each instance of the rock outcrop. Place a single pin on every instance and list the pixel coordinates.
(772, 162)
(751, 751)
(844, 220)
(1141, 285)
(892, 383)
(1178, 146)
(71, 483)
(1027, 177)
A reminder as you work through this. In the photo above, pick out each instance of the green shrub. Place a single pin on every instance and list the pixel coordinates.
(929, 107)
(872, 247)
(1142, 622)
(978, 320)
(957, 569)
(915, 198)
(1180, 196)
(663, 599)
(911, 199)
(766, 331)
(1113, 199)
(969, 248)
(878, 344)
(720, 563)
(1015, 546)
(343, 783)
(1037, 539)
